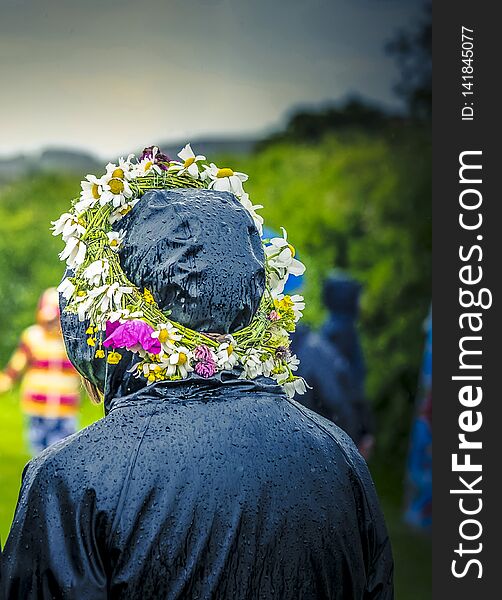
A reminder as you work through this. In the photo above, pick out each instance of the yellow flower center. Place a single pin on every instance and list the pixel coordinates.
(189, 161)
(151, 378)
(125, 210)
(95, 191)
(292, 248)
(182, 358)
(118, 173)
(230, 349)
(224, 173)
(114, 242)
(116, 186)
(163, 336)
(148, 166)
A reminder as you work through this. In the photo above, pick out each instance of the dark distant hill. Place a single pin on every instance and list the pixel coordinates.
(52, 159)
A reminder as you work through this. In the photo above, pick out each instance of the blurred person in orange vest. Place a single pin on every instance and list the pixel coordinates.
(50, 386)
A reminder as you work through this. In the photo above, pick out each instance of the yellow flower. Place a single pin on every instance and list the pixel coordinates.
(285, 304)
(91, 341)
(147, 295)
(113, 358)
(90, 330)
(100, 353)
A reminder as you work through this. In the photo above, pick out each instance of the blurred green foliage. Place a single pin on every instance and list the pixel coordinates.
(356, 201)
(28, 253)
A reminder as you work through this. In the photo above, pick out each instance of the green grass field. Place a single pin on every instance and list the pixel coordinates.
(412, 552)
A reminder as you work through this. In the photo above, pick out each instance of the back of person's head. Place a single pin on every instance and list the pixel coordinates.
(48, 307)
(199, 253)
(341, 294)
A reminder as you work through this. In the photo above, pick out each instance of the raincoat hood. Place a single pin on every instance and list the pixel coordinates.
(341, 295)
(201, 256)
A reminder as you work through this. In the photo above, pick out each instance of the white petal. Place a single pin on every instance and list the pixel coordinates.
(82, 249)
(193, 170)
(222, 185)
(296, 267)
(186, 153)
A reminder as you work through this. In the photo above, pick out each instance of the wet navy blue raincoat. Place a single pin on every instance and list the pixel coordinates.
(220, 488)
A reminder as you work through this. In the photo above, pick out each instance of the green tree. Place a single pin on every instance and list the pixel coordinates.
(28, 253)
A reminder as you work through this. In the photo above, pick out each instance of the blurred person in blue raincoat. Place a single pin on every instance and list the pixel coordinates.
(418, 512)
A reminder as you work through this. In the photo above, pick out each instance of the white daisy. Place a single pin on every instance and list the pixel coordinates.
(115, 191)
(97, 272)
(295, 386)
(226, 357)
(90, 194)
(179, 363)
(293, 362)
(225, 180)
(74, 253)
(124, 170)
(281, 262)
(67, 226)
(167, 335)
(115, 239)
(122, 211)
(252, 364)
(268, 365)
(108, 297)
(190, 160)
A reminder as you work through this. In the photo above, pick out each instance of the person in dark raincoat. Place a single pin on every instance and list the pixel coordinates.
(198, 488)
(341, 295)
(332, 361)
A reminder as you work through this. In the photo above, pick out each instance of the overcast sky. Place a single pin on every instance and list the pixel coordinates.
(113, 75)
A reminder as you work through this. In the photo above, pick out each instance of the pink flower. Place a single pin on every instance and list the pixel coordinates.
(205, 368)
(132, 335)
(111, 326)
(273, 315)
(203, 353)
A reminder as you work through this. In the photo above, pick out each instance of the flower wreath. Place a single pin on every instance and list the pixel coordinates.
(122, 316)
